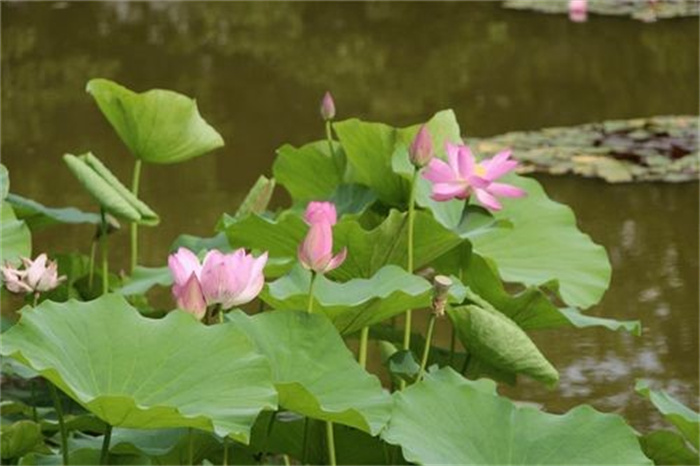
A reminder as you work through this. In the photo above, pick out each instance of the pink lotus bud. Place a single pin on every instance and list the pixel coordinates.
(421, 151)
(232, 279)
(317, 212)
(327, 107)
(39, 275)
(190, 299)
(316, 251)
(182, 265)
(578, 10)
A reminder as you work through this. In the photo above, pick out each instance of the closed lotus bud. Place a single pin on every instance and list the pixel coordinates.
(578, 10)
(421, 151)
(317, 212)
(327, 107)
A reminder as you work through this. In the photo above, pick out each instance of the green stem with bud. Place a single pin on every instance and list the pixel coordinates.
(134, 226)
(105, 252)
(409, 267)
(61, 423)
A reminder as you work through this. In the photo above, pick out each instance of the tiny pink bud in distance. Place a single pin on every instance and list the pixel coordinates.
(578, 10)
(327, 107)
(421, 151)
(317, 212)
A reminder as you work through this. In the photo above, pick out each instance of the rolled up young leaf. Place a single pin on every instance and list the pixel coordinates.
(108, 191)
(158, 126)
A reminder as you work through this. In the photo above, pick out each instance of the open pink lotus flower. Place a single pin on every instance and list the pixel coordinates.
(38, 276)
(225, 279)
(461, 176)
(316, 251)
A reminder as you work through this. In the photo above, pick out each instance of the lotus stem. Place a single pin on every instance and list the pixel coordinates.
(426, 349)
(312, 285)
(225, 462)
(453, 342)
(329, 138)
(61, 424)
(286, 460)
(409, 266)
(305, 445)
(91, 269)
(104, 457)
(134, 226)
(105, 252)
(362, 357)
(330, 443)
(190, 447)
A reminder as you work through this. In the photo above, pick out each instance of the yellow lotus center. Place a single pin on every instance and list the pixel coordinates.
(479, 170)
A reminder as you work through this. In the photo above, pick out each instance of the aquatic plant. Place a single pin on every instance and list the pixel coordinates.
(365, 240)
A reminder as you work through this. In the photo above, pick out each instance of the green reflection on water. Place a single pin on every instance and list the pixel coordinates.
(258, 71)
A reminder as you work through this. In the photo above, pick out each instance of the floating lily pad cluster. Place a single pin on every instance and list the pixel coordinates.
(618, 151)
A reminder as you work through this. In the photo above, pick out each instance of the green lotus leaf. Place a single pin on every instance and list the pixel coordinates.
(314, 372)
(685, 419)
(108, 191)
(135, 372)
(371, 147)
(145, 278)
(531, 308)
(668, 448)
(357, 303)
(4, 182)
(494, 338)
(39, 216)
(309, 172)
(545, 247)
(15, 237)
(158, 126)
(20, 438)
(446, 419)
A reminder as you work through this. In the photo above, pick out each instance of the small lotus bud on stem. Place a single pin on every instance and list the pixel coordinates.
(441, 287)
(421, 151)
(327, 107)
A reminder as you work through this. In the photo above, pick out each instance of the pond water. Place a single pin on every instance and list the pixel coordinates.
(258, 71)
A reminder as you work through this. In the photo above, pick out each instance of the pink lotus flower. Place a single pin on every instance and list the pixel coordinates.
(578, 10)
(317, 212)
(461, 176)
(327, 107)
(225, 279)
(38, 276)
(421, 151)
(316, 251)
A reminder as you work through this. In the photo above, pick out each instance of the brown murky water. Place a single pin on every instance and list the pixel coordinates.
(258, 71)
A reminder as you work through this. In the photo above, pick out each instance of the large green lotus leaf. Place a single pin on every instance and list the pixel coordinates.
(314, 372)
(370, 149)
(15, 237)
(309, 172)
(108, 191)
(685, 419)
(494, 338)
(142, 373)
(531, 308)
(357, 303)
(451, 420)
(39, 216)
(668, 448)
(545, 246)
(158, 126)
(20, 438)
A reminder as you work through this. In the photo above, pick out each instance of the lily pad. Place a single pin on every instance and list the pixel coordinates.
(476, 426)
(309, 172)
(145, 278)
(314, 372)
(668, 448)
(135, 372)
(158, 126)
(108, 191)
